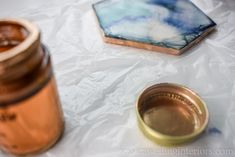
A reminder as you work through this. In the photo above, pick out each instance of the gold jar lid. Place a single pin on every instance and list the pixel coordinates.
(171, 114)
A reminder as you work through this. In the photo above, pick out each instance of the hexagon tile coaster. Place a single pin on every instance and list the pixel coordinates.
(169, 26)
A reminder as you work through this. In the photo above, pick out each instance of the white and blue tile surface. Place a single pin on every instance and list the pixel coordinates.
(166, 23)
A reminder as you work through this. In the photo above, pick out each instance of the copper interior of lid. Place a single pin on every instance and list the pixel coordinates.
(172, 111)
(11, 35)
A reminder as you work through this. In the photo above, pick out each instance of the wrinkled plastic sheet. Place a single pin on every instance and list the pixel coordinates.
(99, 83)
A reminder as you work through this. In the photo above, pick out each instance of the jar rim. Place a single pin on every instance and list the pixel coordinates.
(24, 49)
(25, 44)
(31, 38)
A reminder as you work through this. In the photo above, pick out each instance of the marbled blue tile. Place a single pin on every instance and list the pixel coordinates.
(165, 23)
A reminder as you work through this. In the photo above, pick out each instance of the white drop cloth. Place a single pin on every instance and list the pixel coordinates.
(99, 83)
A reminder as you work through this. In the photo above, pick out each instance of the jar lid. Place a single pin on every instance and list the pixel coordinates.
(171, 114)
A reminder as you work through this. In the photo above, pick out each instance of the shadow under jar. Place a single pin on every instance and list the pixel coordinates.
(31, 118)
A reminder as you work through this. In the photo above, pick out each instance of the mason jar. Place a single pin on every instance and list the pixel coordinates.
(31, 118)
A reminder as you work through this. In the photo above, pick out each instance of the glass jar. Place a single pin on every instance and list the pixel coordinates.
(31, 118)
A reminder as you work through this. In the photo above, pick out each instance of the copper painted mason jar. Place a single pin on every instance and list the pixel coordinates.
(31, 118)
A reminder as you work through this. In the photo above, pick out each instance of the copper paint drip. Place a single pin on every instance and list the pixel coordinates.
(31, 118)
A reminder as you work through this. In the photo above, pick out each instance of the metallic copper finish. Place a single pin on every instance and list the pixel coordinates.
(31, 118)
(171, 114)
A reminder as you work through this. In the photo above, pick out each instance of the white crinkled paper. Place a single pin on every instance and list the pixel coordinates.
(99, 83)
